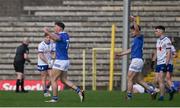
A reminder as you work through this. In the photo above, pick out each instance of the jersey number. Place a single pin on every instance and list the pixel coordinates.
(67, 46)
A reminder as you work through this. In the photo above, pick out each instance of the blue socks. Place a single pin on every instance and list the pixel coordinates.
(129, 95)
(77, 90)
(161, 98)
(150, 91)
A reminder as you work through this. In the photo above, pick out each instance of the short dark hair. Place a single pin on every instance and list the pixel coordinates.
(132, 27)
(160, 27)
(60, 24)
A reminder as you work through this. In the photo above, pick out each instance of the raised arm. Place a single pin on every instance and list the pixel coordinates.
(54, 37)
(136, 27)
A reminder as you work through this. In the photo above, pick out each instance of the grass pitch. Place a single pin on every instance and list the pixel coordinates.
(69, 98)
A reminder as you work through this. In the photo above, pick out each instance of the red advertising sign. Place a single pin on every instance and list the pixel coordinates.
(33, 85)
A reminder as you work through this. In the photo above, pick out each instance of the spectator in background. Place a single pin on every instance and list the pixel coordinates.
(21, 56)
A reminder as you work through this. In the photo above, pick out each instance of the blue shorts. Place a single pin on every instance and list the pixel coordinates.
(170, 68)
(161, 67)
(42, 67)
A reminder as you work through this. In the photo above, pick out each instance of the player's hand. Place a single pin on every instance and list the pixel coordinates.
(46, 29)
(132, 18)
(28, 60)
(152, 65)
(51, 63)
(117, 55)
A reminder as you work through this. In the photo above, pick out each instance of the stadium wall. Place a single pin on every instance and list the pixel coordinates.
(89, 24)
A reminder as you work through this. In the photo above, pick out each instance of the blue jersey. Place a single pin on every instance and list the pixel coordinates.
(137, 47)
(62, 46)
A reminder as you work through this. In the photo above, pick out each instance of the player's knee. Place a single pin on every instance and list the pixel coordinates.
(53, 79)
(43, 77)
(161, 81)
(130, 78)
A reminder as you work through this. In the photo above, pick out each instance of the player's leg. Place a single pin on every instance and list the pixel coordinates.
(131, 76)
(148, 88)
(43, 79)
(49, 82)
(169, 76)
(44, 75)
(18, 78)
(170, 85)
(161, 81)
(67, 82)
(134, 68)
(155, 82)
(143, 83)
(43, 69)
(19, 68)
(169, 79)
(55, 74)
(22, 84)
(18, 81)
(159, 78)
(80, 92)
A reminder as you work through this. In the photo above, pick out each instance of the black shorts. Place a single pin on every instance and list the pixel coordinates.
(19, 67)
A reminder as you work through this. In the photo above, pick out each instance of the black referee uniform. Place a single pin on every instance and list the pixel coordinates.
(19, 62)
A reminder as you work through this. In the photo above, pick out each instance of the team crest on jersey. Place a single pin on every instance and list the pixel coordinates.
(160, 48)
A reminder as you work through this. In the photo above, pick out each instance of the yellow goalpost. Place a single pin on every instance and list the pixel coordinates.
(112, 50)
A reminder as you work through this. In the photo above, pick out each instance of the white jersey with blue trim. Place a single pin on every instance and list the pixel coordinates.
(62, 46)
(47, 50)
(162, 45)
(173, 50)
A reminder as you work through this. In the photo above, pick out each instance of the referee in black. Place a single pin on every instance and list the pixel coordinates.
(21, 56)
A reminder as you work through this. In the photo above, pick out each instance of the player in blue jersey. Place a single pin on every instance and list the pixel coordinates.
(61, 63)
(135, 68)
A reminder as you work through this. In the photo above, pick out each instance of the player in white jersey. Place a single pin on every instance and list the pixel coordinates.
(45, 53)
(169, 71)
(163, 54)
(61, 63)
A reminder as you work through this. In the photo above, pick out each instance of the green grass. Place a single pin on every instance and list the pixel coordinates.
(93, 99)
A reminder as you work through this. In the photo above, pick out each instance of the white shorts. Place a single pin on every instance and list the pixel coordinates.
(62, 65)
(136, 65)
